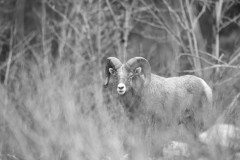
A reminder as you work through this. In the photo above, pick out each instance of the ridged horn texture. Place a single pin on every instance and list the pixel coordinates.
(111, 62)
(135, 62)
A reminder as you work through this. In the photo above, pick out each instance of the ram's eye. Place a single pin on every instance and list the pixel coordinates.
(138, 70)
(130, 75)
(112, 71)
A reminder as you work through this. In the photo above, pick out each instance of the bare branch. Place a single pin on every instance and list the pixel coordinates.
(99, 28)
(230, 21)
(127, 28)
(65, 18)
(10, 56)
(212, 67)
(235, 58)
(193, 46)
(174, 13)
(113, 15)
(195, 21)
(212, 57)
(228, 79)
(229, 111)
(193, 56)
(218, 21)
(162, 22)
(15, 57)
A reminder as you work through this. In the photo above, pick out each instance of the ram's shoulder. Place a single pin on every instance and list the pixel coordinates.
(158, 81)
(160, 85)
(190, 78)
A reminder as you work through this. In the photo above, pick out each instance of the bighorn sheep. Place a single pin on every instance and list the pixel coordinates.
(165, 99)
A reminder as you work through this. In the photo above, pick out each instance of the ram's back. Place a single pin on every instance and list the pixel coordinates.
(171, 96)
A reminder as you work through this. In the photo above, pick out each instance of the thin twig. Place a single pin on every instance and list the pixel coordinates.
(158, 27)
(230, 109)
(212, 67)
(161, 21)
(10, 56)
(174, 13)
(150, 23)
(66, 42)
(212, 56)
(227, 80)
(218, 20)
(194, 45)
(14, 57)
(126, 33)
(99, 44)
(43, 23)
(230, 21)
(65, 19)
(195, 22)
(127, 28)
(193, 56)
(235, 56)
(113, 15)
(88, 33)
(99, 29)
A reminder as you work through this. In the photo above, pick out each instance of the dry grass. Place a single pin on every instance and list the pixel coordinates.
(62, 114)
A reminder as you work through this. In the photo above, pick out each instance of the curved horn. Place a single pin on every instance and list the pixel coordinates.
(141, 62)
(111, 62)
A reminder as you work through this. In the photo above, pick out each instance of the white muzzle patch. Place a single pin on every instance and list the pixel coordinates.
(121, 88)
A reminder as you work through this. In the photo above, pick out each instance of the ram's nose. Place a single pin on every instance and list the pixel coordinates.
(121, 88)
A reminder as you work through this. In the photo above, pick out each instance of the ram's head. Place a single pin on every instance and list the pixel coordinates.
(134, 74)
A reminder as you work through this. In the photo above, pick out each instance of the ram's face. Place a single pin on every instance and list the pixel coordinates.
(125, 79)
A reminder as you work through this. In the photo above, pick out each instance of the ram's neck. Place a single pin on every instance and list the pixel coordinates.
(156, 85)
(130, 100)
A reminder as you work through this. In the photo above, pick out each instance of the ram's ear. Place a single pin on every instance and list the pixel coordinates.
(111, 71)
(138, 71)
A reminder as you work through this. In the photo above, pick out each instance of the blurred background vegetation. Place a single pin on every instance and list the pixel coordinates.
(52, 55)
